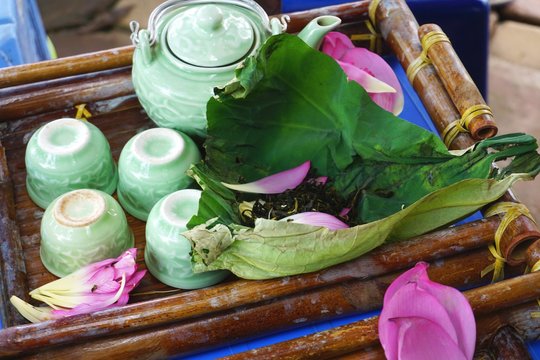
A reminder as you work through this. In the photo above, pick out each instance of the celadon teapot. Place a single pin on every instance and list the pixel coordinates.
(192, 46)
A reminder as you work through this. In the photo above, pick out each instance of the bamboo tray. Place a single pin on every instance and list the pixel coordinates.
(158, 323)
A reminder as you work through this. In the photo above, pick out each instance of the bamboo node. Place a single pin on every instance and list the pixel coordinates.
(374, 38)
(82, 112)
(511, 211)
(372, 11)
(462, 125)
(427, 41)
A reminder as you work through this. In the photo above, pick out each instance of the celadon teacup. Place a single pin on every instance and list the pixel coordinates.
(68, 154)
(154, 164)
(81, 227)
(167, 252)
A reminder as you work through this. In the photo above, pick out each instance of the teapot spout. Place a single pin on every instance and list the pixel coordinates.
(314, 32)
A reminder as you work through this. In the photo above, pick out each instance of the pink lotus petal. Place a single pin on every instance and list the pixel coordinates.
(275, 184)
(95, 287)
(370, 83)
(377, 67)
(459, 310)
(344, 212)
(321, 180)
(413, 295)
(336, 44)
(421, 339)
(317, 219)
(125, 265)
(455, 303)
(410, 301)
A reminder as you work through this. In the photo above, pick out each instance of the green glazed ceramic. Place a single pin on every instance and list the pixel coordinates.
(82, 227)
(167, 252)
(153, 164)
(68, 154)
(192, 46)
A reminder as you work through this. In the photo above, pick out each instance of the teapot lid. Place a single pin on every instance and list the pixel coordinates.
(210, 36)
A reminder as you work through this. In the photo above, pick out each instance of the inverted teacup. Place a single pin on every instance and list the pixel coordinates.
(68, 154)
(167, 252)
(82, 227)
(153, 164)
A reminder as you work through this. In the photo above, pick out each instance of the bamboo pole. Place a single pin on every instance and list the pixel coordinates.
(356, 296)
(507, 344)
(204, 302)
(459, 84)
(400, 30)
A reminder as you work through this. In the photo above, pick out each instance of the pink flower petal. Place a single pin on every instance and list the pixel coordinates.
(321, 180)
(370, 83)
(97, 286)
(344, 212)
(413, 295)
(459, 310)
(125, 265)
(317, 219)
(410, 301)
(275, 184)
(421, 339)
(336, 44)
(376, 66)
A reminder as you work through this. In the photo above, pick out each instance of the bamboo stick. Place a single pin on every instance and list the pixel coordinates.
(355, 296)
(533, 254)
(400, 30)
(507, 344)
(520, 318)
(362, 334)
(349, 12)
(203, 302)
(243, 323)
(12, 268)
(459, 84)
(40, 98)
(68, 66)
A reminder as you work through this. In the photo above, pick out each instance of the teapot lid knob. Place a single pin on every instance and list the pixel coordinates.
(209, 18)
(210, 35)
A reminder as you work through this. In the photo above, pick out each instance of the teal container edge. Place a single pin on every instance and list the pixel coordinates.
(167, 252)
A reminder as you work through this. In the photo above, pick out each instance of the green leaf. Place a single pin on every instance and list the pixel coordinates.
(274, 248)
(292, 103)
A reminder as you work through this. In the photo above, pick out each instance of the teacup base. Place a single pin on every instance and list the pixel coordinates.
(195, 281)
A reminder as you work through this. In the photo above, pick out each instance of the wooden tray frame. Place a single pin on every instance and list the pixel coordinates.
(32, 95)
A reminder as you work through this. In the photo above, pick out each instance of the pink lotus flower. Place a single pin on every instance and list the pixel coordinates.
(94, 287)
(366, 68)
(422, 319)
(317, 219)
(275, 184)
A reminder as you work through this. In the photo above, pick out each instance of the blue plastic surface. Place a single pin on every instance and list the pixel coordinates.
(466, 22)
(22, 35)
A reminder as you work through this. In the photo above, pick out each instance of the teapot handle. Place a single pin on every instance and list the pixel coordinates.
(169, 5)
(141, 39)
